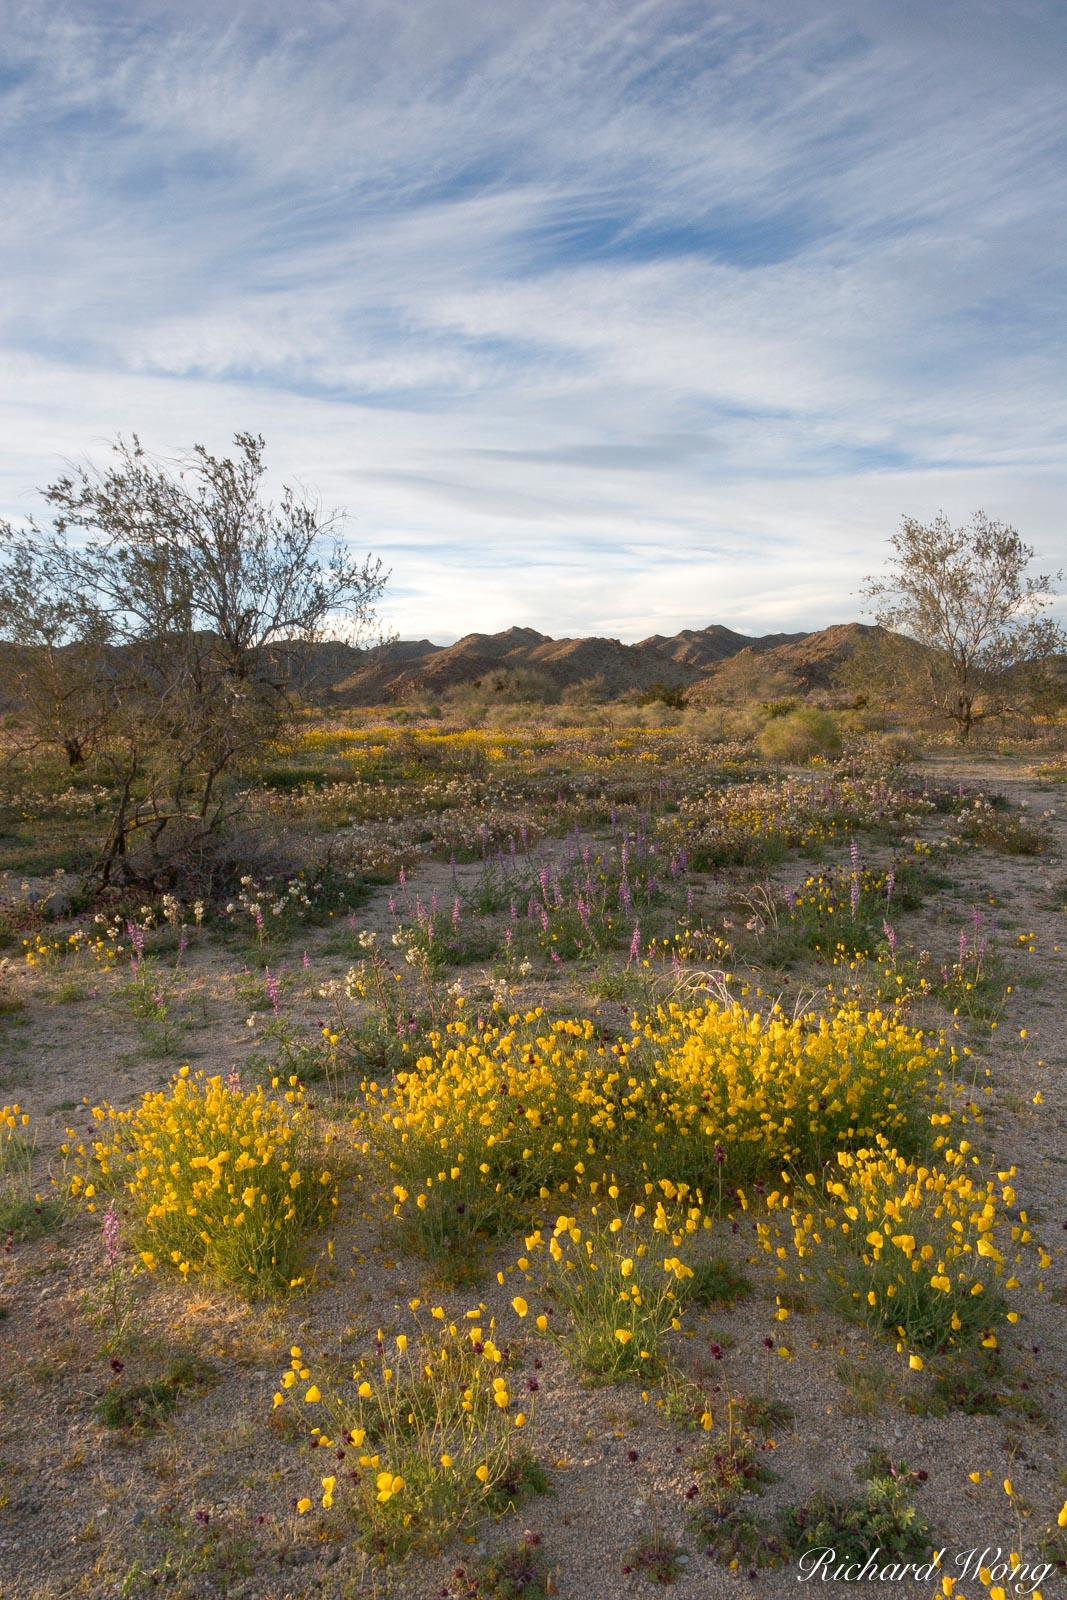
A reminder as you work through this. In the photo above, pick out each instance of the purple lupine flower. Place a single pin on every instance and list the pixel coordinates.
(273, 991)
(635, 944)
(507, 938)
(259, 919)
(111, 1235)
(455, 911)
(392, 906)
(963, 946)
(791, 900)
(306, 963)
(891, 939)
(403, 878)
(854, 852)
(233, 1080)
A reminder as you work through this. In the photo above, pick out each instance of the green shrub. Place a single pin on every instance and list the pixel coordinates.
(799, 736)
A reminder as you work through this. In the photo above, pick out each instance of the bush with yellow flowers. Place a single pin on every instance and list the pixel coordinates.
(622, 1283)
(222, 1180)
(494, 1117)
(922, 1249)
(432, 1431)
(21, 1211)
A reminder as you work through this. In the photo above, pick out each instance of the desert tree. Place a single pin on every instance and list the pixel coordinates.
(163, 623)
(966, 616)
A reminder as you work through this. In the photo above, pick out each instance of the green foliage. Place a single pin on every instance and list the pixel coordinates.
(885, 1519)
(143, 1407)
(715, 1282)
(799, 736)
(654, 1556)
(514, 1572)
(666, 694)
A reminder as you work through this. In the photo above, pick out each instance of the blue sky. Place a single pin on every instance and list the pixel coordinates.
(605, 316)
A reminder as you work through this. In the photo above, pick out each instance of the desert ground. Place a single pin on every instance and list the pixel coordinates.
(568, 1035)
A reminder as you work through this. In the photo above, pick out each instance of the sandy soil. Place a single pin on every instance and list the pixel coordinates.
(90, 1511)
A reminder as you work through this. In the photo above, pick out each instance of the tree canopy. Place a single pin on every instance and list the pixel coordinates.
(163, 621)
(965, 597)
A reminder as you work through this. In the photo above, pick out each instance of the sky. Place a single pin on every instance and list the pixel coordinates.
(594, 316)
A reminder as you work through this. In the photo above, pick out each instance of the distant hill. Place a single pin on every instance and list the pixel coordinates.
(689, 659)
(693, 660)
(703, 648)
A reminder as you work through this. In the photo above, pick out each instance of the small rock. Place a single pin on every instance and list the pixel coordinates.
(298, 1557)
(57, 905)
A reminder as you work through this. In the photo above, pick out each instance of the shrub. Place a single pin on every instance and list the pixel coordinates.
(799, 735)
(222, 1181)
(911, 1248)
(23, 1213)
(621, 1293)
(493, 1118)
(431, 1432)
(667, 694)
(898, 747)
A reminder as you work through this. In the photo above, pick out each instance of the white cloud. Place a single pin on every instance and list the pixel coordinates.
(616, 317)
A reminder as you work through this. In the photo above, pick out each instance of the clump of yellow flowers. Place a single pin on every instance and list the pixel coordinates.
(420, 1438)
(221, 1180)
(925, 1249)
(492, 1118)
(16, 1148)
(621, 1281)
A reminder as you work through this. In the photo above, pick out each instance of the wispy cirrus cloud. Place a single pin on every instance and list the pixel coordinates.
(617, 317)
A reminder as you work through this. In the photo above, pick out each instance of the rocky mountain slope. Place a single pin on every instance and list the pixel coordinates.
(691, 660)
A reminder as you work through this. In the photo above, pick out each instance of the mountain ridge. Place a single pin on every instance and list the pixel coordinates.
(690, 659)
